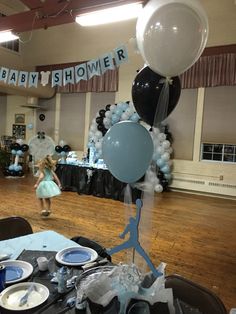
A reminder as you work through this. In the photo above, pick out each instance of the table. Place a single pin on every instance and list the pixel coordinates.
(93, 181)
(41, 241)
(29, 247)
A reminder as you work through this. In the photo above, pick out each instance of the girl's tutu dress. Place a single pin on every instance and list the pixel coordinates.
(47, 188)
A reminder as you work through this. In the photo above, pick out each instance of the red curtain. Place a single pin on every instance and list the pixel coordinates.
(210, 71)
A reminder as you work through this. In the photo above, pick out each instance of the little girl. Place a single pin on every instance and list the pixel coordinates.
(45, 185)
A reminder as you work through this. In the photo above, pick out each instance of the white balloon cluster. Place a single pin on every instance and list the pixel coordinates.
(162, 152)
(160, 162)
(113, 114)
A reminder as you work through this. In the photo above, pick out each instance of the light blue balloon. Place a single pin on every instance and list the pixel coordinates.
(13, 151)
(160, 162)
(127, 150)
(124, 106)
(19, 153)
(11, 167)
(165, 169)
(63, 154)
(30, 126)
(118, 111)
(134, 117)
(17, 167)
(168, 176)
(115, 118)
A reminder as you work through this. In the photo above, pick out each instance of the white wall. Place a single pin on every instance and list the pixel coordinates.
(14, 104)
(3, 110)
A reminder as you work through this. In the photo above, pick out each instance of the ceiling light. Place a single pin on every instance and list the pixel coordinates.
(7, 36)
(110, 15)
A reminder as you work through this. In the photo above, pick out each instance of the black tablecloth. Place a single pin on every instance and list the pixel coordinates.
(56, 302)
(92, 181)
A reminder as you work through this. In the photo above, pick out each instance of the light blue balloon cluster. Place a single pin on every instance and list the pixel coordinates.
(123, 111)
(15, 167)
(17, 152)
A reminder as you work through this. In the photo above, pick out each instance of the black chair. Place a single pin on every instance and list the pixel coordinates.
(93, 245)
(12, 227)
(195, 295)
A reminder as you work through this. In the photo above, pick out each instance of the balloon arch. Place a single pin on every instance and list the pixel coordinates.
(125, 111)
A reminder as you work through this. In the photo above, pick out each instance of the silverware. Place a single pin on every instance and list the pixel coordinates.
(4, 257)
(25, 297)
(95, 264)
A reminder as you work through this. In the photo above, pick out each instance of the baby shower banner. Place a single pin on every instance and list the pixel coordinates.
(73, 75)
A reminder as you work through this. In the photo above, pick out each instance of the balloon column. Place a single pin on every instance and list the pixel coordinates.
(161, 156)
(18, 150)
(106, 118)
(104, 125)
(62, 152)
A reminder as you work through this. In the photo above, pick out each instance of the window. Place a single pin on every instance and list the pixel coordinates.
(218, 152)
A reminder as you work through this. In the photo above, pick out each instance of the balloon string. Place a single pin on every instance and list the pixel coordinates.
(128, 214)
(163, 101)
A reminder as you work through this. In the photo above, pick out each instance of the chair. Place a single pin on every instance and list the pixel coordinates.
(93, 245)
(195, 295)
(12, 227)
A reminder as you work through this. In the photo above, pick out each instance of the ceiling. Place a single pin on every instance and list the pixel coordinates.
(27, 15)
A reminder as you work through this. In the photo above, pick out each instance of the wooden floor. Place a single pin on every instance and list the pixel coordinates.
(195, 235)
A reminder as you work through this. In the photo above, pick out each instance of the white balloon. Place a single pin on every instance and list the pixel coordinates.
(161, 137)
(107, 121)
(98, 145)
(93, 127)
(160, 150)
(165, 156)
(20, 141)
(158, 188)
(98, 134)
(129, 111)
(91, 133)
(113, 108)
(124, 116)
(170, 150)
(171, 35)
(156, 142)
(166, 144)
(108, 114)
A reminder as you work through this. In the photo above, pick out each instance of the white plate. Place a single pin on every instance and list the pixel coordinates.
(76, 256)
(10, 297)
(26, 267)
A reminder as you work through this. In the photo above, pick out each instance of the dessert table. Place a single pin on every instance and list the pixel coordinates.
(92, 181)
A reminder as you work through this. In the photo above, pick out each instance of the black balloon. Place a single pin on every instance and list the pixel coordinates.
(20, 173)
(16, 146)
(108, 107)
(99, 120)
(24, 147)
(58, 149)
(66, 148)
(146, 91)
(100, 127)
(42, 117)
(102, 113)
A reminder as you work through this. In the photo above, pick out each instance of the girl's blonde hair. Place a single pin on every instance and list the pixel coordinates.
(47, 163)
